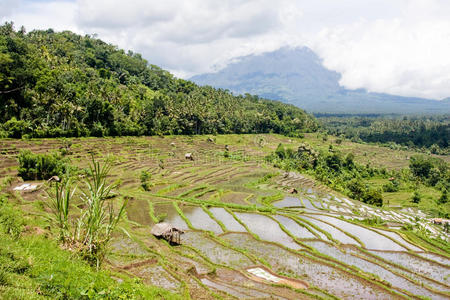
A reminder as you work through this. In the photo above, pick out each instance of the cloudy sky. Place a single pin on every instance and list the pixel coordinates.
(394, 46)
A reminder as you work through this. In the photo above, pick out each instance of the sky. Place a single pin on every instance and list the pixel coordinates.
(399, 47)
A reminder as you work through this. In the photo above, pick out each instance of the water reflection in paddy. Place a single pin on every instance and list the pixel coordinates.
(288, 202)
(308, 204)
(346, 257)
(335, 233)
(418, 265)
(398, 238)
(172, 215)
(267, 229)
(371, 239)
(230, 223)
(200, 220)
(214, 251)
(294, 228)
(335, 281)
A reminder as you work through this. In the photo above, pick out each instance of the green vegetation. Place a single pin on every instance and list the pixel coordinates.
(34, 267)
(63, 84)
(66, 85)
(332, 168)
(90, 233)
(429, 133)
(33, 166)
(340, 171)
(145, 177)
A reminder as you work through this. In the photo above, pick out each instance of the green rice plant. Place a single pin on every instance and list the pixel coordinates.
(59, 204)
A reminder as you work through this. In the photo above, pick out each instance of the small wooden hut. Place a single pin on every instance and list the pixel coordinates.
(167, 232)
(293, 191)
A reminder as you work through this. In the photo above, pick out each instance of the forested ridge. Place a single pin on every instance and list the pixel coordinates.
(63, 84)
(430, 133)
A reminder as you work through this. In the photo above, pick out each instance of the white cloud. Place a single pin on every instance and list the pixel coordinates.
(394, 46)
(405, 56)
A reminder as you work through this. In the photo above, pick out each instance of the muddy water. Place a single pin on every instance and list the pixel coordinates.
(333, 280)
(435, 257)
(415, 264)
(267, 229)
(371, 239)
(230, 223)
(335, 233)
(294, 228)
(156, 275)
(172, 215)
(216, 252)
(127, 246)
(288, 202)
(308, 204)
(200, 220)
(369, 267)
(232, 291)
(399, 239)
(138, 211)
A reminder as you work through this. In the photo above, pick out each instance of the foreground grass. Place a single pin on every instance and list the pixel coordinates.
(34, 267)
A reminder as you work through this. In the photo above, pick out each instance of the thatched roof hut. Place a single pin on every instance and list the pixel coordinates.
(167, 232)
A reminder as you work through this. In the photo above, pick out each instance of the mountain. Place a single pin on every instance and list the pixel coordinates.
(56, 84)
(297, 76)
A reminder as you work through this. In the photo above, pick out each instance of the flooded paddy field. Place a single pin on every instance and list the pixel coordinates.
(236, 218)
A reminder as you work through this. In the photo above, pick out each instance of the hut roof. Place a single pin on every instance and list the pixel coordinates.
(161, 228)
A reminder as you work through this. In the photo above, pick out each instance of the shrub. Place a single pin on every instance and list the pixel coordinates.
(373, 197)
(145, 177)
(34, 166)
(16, 128)
(416, 197)
(444, 197)
(391, 187)
(420, 166)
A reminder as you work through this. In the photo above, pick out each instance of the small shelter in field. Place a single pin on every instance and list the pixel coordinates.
(167, 232)
(293, 191)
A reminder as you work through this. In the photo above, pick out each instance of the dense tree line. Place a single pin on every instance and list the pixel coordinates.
(63, 84)
(340, 171)
(429, 132)
(332, 168)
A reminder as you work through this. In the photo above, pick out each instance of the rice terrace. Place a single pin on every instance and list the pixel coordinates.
(245, 232)
(286, 172)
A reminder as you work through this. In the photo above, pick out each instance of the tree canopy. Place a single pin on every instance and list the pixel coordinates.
(64, 84)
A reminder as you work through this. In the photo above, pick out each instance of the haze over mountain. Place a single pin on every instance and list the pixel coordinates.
(297, 76)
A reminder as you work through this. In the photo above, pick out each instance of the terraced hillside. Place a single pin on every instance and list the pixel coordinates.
(245, 236)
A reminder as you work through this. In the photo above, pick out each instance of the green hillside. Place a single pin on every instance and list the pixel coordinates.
(63, 84)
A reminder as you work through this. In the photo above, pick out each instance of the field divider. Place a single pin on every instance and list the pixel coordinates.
(341, 230)
(211, 215)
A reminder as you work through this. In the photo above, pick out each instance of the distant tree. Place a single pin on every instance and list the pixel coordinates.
(444, 197)
(416, 197)
(373, 196)
(356, 188)
(420, 166)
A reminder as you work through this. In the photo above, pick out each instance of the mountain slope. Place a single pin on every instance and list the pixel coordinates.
(63, 84)
(297, 76)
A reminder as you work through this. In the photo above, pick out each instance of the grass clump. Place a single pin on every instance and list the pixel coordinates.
(145, 177)
(91, 231)
(34, 166)
(11, 221)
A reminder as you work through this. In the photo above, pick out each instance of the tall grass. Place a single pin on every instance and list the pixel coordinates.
(91, 232)
(59, 204)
